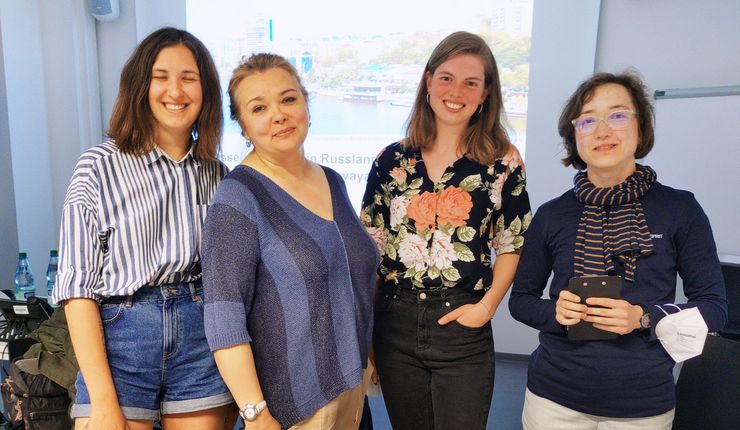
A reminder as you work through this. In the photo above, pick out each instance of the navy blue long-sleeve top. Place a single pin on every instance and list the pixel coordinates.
(630, 376)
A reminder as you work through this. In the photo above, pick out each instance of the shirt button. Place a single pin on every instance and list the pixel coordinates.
(447, 304)
(423, 296)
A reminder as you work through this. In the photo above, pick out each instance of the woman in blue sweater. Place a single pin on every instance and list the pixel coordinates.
(617, 220)
(288, 269)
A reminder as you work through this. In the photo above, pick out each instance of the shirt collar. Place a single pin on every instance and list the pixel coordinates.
(156, 153)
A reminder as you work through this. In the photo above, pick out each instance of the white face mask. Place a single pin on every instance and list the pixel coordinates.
(682, 334)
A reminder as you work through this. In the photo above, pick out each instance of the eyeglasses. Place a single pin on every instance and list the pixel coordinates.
(616, 120)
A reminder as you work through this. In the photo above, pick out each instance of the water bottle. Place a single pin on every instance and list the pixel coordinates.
(24, 286)
(51, 271)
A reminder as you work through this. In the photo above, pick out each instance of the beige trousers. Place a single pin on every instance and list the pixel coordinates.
(342, 413)
(544, 414)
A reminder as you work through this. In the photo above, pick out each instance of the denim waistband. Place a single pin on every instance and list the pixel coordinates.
(430, 295)
(149, 293)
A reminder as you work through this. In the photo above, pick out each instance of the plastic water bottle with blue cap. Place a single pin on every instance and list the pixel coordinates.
(24, 286)
(51, 272)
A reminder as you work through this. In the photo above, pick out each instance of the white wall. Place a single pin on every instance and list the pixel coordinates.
(8, 231)
(686, 44)
(27, 99)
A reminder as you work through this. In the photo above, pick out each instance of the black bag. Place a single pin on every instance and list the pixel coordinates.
(33, 401)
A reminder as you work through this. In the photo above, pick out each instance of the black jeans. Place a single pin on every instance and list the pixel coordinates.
(432, 376)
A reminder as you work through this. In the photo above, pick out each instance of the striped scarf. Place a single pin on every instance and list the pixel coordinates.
(621, 231)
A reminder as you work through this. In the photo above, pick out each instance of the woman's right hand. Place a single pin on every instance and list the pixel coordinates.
(568, 309)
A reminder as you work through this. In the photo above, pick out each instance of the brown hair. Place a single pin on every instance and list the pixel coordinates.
(132, 123)
(485, 139)
(583, 94)
(258, 63)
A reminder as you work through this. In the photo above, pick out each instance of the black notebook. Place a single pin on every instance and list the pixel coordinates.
(593, 286)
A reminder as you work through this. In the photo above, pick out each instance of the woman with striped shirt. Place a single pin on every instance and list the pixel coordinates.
(129, 270)
(618, 220)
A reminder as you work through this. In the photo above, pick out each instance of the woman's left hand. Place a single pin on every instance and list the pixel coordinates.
(616, 316)
(472, 315)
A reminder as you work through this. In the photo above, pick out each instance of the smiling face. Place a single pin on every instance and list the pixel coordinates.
(175, 93)
(609, 154)
(273, 112)
(456, 88)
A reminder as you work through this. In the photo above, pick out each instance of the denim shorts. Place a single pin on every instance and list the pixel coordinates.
(158, 354)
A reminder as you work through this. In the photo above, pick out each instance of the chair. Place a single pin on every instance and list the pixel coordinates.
(708, 388)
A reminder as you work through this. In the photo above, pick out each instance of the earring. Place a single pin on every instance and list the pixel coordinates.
(428, 101)
(248, 142)
(480, 108)
(194, 133)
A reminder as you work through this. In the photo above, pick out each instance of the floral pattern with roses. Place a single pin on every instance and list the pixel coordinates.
(442, 234)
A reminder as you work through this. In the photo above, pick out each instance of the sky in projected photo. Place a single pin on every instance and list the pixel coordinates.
(361, 63)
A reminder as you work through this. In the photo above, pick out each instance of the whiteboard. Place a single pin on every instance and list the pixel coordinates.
(697, 148)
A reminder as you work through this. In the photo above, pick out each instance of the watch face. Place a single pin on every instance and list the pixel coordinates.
(250, 414)
(645, 321)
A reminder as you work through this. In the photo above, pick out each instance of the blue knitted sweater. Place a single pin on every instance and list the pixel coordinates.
(298, 287)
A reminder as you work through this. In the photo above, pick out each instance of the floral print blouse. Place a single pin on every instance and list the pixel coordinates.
(435, 235)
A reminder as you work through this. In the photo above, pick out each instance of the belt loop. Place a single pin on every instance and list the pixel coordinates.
(193, 292)
(128, 301)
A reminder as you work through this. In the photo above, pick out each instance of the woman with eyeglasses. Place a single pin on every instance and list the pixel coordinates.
(617, 220)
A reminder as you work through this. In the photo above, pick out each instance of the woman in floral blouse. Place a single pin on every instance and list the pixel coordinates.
(437, 204)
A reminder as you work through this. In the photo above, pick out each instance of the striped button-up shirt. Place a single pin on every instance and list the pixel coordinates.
(132, 220)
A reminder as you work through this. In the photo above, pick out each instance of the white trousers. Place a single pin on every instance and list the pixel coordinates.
(543, 414)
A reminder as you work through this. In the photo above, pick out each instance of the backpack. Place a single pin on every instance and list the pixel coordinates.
(33, 401)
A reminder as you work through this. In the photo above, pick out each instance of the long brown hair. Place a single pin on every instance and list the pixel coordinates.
(132, 123)
(485, 138)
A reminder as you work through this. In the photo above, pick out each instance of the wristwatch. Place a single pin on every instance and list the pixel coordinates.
(646, 320)
(250, 411)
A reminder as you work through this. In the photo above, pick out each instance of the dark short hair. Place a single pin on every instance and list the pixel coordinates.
(132, 122)
(485, 138)
(258, 63)
(583, 94)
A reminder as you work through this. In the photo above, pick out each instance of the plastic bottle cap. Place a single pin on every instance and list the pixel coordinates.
(53, 253)
(22, 255)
